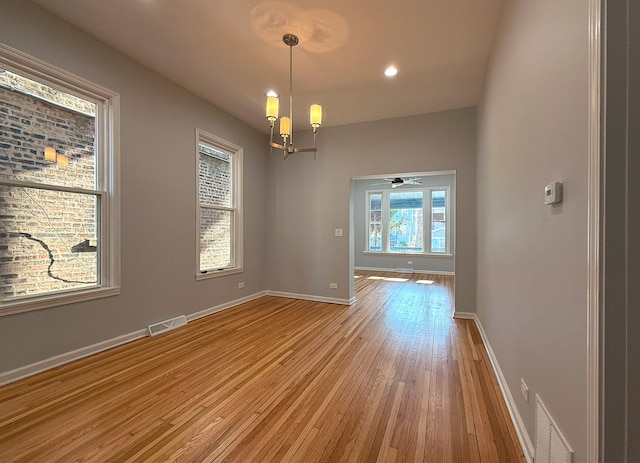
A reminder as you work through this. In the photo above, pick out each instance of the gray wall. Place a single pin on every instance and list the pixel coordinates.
(309, 199)
(532, 269)
(158, 121)
(431, 263)
(620, 352)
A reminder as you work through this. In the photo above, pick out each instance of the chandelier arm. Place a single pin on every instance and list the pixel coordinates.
(304, 150)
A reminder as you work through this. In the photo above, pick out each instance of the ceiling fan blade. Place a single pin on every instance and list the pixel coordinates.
(377, 184)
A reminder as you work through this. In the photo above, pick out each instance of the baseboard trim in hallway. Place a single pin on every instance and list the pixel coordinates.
(521, 431)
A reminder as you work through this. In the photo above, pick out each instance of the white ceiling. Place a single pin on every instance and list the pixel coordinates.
(230, 52)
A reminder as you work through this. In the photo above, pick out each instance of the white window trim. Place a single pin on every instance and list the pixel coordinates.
(426, 223)
(107, 144)
(238, 231)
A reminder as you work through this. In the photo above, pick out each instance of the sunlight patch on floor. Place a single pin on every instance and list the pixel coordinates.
(425, 282)
(401, 280)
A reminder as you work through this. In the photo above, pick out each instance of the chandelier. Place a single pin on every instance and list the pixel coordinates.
(286, 122)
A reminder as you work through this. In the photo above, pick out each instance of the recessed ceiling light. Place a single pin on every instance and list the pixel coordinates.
(390, 71)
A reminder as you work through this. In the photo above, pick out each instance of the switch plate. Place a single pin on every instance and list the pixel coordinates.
(339, 232)
(241, 285)
(333, 285)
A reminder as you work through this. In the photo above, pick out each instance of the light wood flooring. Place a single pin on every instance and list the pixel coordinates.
(391, 378)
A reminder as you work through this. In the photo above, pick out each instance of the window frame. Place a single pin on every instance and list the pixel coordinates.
(427, 220)
(236, 153)
(107, 184)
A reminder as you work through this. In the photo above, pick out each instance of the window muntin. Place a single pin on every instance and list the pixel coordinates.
(219, 206)
(59, 236)
(409, 219)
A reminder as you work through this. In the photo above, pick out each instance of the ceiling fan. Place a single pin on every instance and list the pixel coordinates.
(399, 181)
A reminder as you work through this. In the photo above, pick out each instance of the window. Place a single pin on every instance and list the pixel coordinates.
(219, 206)
(396, 221)
(59, 234)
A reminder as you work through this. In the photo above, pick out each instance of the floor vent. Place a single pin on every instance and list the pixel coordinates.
(172, 323)
(404, 270)
(551, 446)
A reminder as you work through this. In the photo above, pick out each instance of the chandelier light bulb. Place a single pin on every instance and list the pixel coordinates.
(285, 127)
(315, 115)
(272, 108)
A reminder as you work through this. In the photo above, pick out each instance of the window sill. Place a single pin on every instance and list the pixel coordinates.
(28, 304)
(405, 254)
(218, 273)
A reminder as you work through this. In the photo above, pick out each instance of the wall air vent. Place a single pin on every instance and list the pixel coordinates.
(551, 446)
(172, 323)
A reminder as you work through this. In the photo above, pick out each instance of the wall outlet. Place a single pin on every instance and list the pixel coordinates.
(339, 232)
(333, 285)
(410, 262)
(241, 285)
(524, 389)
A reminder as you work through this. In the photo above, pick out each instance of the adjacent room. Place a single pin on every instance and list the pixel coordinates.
(278, 230)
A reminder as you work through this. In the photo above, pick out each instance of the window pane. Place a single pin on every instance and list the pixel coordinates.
(375, 237)
(406, 223)
(48, 241)
(375, 222)
(216, 245)
(215, 177)
(35, 117)
(438, 221)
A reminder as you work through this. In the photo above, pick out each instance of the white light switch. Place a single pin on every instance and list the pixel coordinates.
(339, 232)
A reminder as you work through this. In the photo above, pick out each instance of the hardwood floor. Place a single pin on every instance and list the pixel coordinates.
(391, 378)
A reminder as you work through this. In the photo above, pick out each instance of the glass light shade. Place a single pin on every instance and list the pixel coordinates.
(50, 154)
(285, 126)
(63, 161)
(272, 108)
(315, 115)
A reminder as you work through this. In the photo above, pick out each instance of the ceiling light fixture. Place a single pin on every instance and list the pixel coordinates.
(391, 71)
(286, 122)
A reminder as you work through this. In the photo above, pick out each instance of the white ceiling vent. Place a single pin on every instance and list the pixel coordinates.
(167, 325)
(551, 446)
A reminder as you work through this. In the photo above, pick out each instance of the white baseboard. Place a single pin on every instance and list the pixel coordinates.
(225, 306)
(47, 364)
(380, 269)
(521, 431)
(308, 297)
(466, 315)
